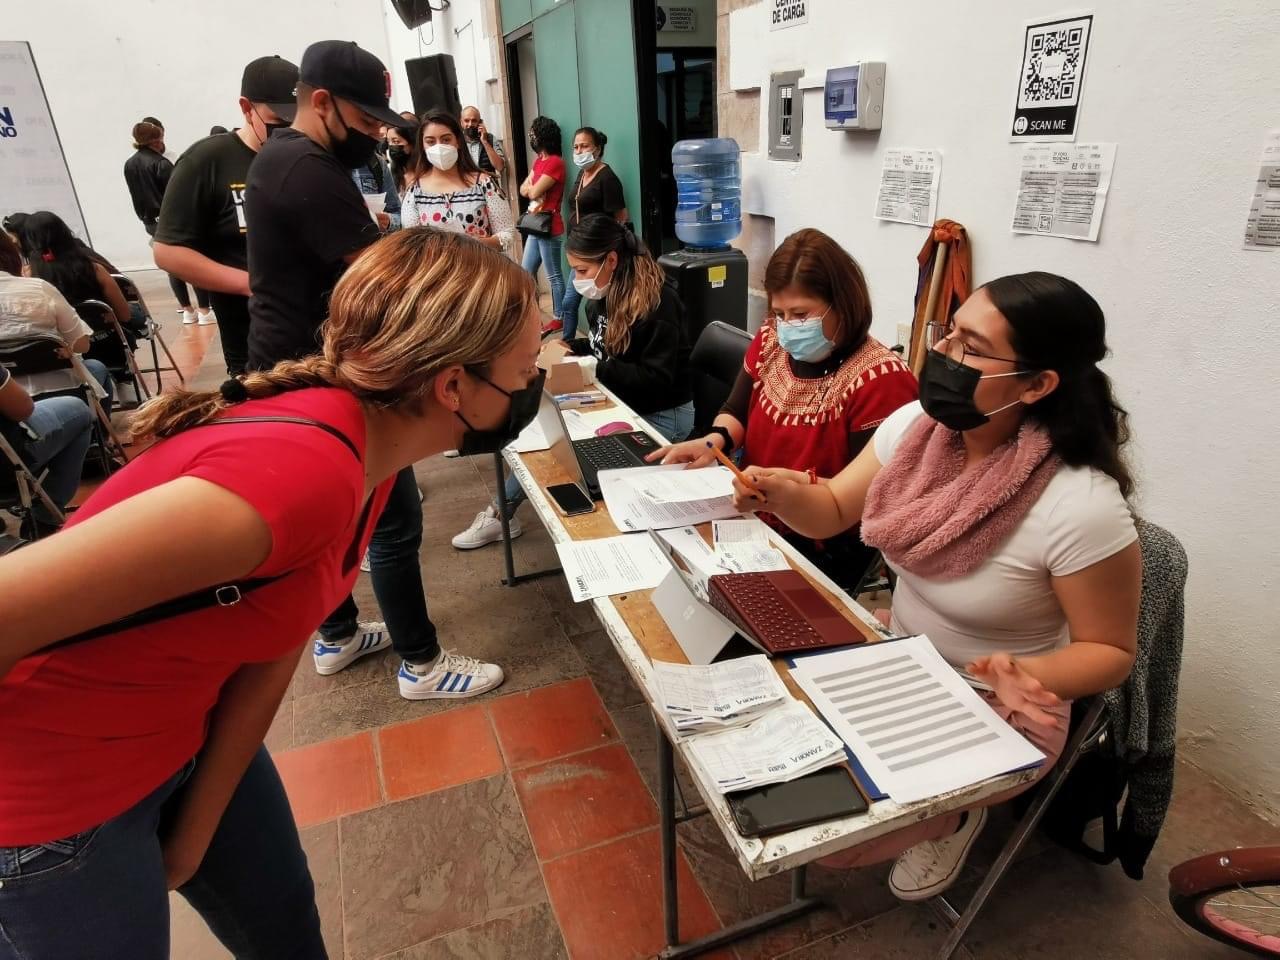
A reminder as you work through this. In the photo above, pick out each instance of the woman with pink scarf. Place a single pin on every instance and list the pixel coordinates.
(1000, 501)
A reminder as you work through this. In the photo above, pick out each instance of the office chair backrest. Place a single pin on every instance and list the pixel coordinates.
(714, 364)
(24, 358)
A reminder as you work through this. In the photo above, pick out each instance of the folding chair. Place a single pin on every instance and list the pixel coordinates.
(19, 486)
(45, 354)
(1163, 561)
(151, 333)
(110, 345)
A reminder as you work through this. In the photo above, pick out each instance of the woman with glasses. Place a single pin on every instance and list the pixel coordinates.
(814, 387)
(1000, 500)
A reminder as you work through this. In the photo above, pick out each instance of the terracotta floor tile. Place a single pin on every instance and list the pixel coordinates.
(550, 722)
(330, 779)
(609, 900)
(583, 800)
(438, 751)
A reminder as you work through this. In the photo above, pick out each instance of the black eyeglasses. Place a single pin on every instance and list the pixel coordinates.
(943, 339)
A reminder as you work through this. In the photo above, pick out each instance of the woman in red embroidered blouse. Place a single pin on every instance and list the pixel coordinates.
(813, 388)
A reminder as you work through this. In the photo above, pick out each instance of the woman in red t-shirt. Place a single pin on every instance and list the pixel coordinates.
(813, 388)
(544, 187)
(133, 762)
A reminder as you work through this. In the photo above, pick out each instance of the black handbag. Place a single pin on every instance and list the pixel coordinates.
(535, 224)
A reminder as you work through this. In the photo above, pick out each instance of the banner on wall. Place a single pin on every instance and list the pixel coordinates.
(677, 19)
(1051, 76)
(787, 13)
(33, 170)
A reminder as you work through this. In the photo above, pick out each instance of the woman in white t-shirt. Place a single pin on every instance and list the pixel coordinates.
(999, 500)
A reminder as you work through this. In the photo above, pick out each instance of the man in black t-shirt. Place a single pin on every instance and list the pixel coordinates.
(201, 234)
(307, 221)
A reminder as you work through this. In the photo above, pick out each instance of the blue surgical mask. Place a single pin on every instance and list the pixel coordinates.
(584, 159)
(804, 339)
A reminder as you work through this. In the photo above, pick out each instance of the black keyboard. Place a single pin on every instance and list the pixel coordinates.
(767, 615)
(603, 453)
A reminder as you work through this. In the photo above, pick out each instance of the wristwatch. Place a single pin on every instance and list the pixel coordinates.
(728, 438)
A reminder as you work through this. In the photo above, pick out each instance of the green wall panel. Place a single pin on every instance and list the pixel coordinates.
(607, 88)
(515, 13)
(545, 6)
(555, 49)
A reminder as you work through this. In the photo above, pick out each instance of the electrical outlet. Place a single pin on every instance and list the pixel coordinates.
(904, 334)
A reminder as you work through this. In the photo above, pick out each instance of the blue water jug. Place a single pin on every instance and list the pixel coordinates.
(709, 181)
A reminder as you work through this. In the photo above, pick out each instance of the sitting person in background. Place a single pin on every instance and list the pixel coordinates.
(12, 225)
(813, 388)
(1000, 502)
(637, 347)
(31, 308)
(597, 190)
(48, 435)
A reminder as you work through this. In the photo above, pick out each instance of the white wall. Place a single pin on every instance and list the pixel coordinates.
(1188, 91)
(106, 65)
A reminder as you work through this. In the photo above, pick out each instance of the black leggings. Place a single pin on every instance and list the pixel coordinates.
(179, 288)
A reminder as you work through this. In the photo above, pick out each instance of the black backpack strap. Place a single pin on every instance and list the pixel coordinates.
(227, 595)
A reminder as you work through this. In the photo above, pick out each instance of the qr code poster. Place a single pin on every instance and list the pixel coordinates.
(1052, 74)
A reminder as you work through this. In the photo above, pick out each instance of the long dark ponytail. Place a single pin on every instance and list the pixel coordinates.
(54, 255)
(1054, 324)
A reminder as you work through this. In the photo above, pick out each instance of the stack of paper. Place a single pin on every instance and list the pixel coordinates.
(785, 743)
(611, 565)
(632, 509)
(718, 695)
(742, 546)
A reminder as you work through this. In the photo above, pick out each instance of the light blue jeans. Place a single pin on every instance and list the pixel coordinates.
(569, 311)
(64, 426)
(545, 251)
(674, 424)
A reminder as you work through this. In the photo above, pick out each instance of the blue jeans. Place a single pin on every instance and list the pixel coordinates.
(65, 428)
(569, 311)
(546, 251)
(396, 572)
(98, 370)
(100, 895)
(674, 424)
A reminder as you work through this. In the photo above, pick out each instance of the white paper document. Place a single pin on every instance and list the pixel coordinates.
(632, 510)
(531, 438)
(751, 558)
(694, 551)
(744, 530)
(611, 565)
(784, 743)
(909, 718)
(583, 422)
(1062, 189)
(1262, 229)
(909, 186)
(681, 486)
(718, 695)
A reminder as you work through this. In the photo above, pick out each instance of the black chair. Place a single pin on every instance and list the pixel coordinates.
(46, 354)
(149, 332)
(112, 346)
(715, 362)
(20, 487)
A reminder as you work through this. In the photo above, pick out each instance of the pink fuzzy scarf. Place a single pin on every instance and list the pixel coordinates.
(933, 519)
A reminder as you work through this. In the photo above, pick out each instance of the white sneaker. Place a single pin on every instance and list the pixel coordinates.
(188, 316)
(486, 528)
(207, 319)
(364, 563)
(370, 637)
(452, 453)
(928, 868)
(451, 677)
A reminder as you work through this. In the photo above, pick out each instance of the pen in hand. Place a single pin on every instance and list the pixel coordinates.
(746, 481)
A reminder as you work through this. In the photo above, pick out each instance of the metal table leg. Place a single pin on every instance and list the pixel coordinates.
(800, 903)
(510, 580)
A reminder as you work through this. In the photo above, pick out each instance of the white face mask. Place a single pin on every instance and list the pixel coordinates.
(587, 286)
(442, 156)
(584, 159)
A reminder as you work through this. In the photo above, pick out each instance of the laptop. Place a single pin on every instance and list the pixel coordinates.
(583, 460)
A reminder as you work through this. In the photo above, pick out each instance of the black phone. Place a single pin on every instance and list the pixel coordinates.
(822, 795)
(570, 499)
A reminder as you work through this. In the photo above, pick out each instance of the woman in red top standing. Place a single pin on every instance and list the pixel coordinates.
(544, 187)
(133, 762)
(813, 388)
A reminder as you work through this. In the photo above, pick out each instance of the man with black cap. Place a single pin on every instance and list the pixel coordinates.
(307, 221)
(202, 229)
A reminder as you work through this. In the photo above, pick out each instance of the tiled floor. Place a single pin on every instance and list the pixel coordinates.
(522, 824)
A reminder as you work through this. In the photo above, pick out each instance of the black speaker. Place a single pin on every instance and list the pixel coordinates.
(433, 82)
(414, 13)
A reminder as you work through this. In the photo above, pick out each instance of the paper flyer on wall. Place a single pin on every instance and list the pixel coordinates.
(1262, 229)
(909, 186)
(1051, 77)
(1062, 189)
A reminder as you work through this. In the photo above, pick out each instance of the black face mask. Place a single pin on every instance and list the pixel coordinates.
(524, 407)
(356, 150)
(947, 388)
(270, 128)
(533, 144)
(398, 154)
